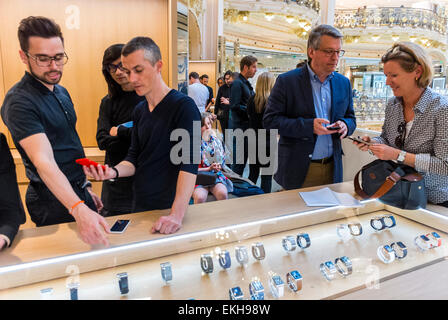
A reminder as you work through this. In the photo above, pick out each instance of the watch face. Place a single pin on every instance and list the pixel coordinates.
(329, 264)
(237, 292)
(257, 286)
(277, 280)
(425, 238)
(346, 260)
(401, 245)
(435, 234)
(296, 275)
(387, 248)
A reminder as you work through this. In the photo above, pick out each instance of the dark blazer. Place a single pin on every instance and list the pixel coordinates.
(290, 109)
(12, 214)
(240, 92)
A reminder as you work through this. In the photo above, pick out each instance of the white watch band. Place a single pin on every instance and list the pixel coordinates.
(401, 156)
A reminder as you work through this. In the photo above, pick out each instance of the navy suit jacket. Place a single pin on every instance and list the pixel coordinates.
(290, 109)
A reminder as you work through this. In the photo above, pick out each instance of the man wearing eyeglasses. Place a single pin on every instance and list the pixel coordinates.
(41, 118)
(312, 108)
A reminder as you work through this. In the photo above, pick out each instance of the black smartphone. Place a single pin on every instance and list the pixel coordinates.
(119, 226)
(358, 139)
(333, 128)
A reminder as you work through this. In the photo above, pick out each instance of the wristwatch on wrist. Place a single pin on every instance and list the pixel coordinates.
(401, 157)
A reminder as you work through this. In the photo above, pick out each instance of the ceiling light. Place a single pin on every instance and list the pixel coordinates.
(375, 37)
(269, 16)
(289, 19)
(395, 37)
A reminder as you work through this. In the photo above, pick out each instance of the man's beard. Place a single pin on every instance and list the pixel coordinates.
(43, 79)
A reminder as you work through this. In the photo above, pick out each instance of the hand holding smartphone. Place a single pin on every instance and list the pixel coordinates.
(87, 162)
(359, 140)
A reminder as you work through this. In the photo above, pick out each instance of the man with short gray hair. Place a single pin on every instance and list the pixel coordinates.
(312, 108)
(158, 182)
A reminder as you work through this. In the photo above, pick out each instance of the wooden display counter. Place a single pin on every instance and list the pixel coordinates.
(51, 257)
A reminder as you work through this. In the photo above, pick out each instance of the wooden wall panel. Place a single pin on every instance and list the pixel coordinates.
(205, 67)
(101, 23)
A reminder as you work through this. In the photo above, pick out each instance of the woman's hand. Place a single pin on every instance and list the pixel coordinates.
(384, 152)
(362, 146)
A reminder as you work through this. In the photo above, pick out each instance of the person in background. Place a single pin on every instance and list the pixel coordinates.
(240, 93)
(312, 108)
(415, 131)
(301, 64)
(12, 214)
(255, 110)
(213, 158)
(220, 82)
(197, 91)
(41, 117)
(114, 130)
(223, 102)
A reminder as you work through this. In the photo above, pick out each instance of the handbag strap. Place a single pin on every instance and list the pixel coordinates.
(390, 181)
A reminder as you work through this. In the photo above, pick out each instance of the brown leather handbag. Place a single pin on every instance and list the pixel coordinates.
(394, 184)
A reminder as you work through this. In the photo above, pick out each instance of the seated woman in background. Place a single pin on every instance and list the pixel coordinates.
(415, 130)
(212, 160)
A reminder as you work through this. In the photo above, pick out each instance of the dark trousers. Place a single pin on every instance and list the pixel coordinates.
(45, 209)
(243, 151)
(266, 180)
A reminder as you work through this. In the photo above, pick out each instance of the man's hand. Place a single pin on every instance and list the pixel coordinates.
(384, 152)
(97, 200)
(91, 225)
(113, 131)
(2, 244)
(318, 127)
(343, 128)
(225, 100)
(167, 224)
(98, 174)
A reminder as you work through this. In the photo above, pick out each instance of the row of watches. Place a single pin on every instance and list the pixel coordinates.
(276, 285)
(225, 261)
(379, 223)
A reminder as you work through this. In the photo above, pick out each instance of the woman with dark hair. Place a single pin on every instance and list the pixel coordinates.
(114, 130)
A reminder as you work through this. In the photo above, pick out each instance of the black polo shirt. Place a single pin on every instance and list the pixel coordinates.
(30, 108)
(156, 175)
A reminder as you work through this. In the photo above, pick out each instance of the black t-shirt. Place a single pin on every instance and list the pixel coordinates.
(156, 176)
(30, 108)
(113, 112)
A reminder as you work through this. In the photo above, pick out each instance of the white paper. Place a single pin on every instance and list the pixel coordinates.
(325, 197)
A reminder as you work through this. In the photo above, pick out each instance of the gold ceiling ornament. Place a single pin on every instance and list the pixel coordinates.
(290, 19)
(243, 15)
(351, 39)
(395, 37)
(196, 7)
(375, 37)
(231, 15)
(412, 38)
(269, 16)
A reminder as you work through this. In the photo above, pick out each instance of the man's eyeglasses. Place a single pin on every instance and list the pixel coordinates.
(399, 141)
(330, 53)
(43, 60)
(113, 67)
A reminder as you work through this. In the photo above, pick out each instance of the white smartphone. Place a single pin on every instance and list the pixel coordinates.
(119, 226)
(358, 139)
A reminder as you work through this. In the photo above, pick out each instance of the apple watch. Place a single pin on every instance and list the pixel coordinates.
(165, 269)
(123, 283)
(277, 286)
(434, 240)
(328, 270)
(289, 243)
(256, 290)
(400, 249)
(224, 259)
(73, 288)
(386, 254)
(207, 263)
(258, 251)
(422, 242)
(236, 293)
(344, 266)
(401, 157)
(303, 240)
(241, 255)
(294, 280)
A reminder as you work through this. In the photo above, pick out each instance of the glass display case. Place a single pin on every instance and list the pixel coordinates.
(271, 246)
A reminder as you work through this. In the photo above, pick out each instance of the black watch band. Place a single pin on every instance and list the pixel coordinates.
(116, 171)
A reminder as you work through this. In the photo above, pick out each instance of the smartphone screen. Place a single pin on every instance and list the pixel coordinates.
(358, 139)
(119, 226)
